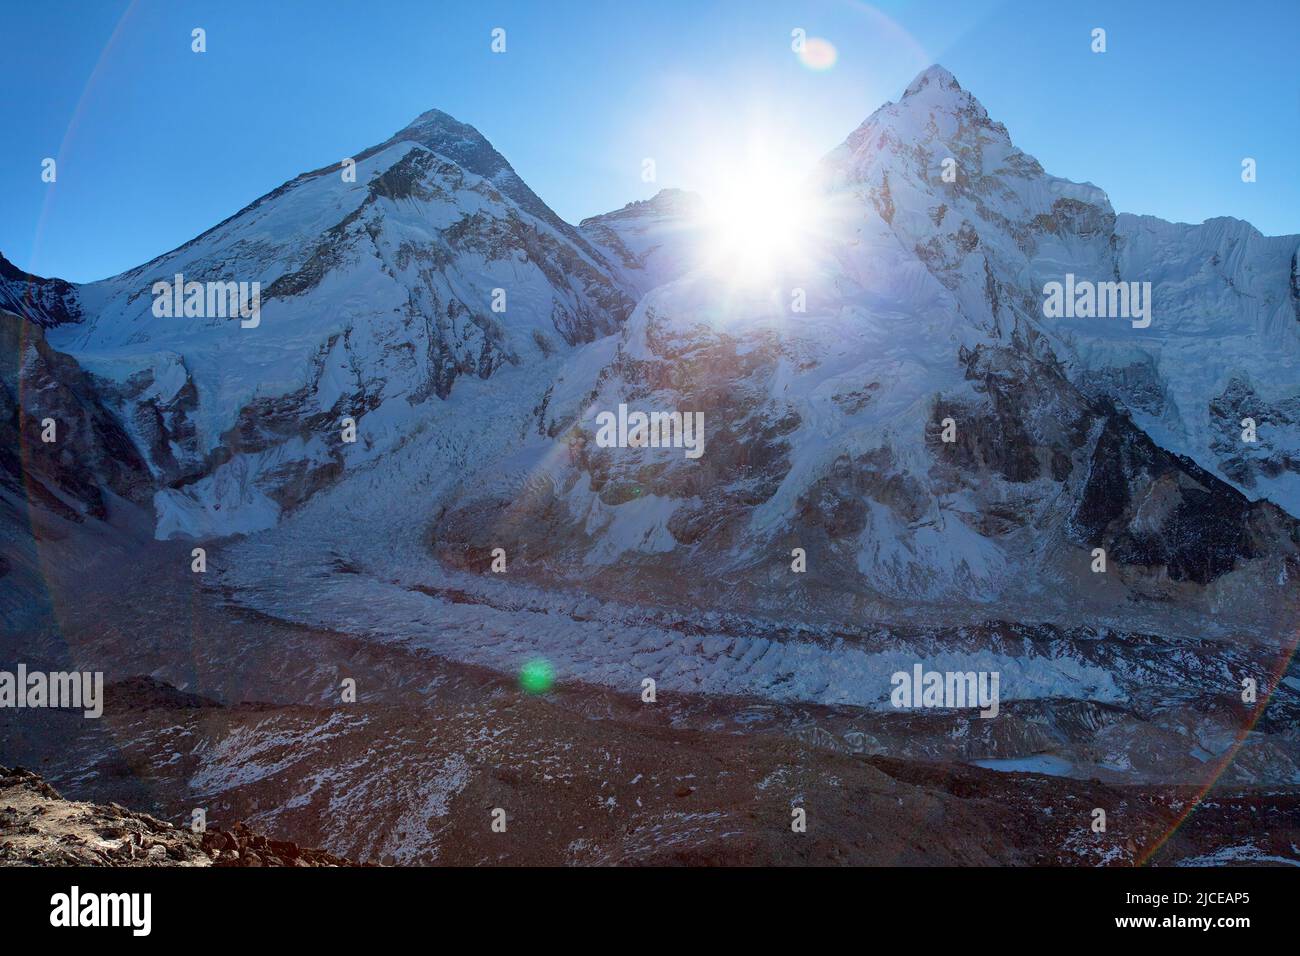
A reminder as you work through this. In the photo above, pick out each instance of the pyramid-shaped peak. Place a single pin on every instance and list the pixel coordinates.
(471, 150)
(934, 107)
(464, 145)
(437, 119)
(441, 131)
(935, 90)
(935, 77)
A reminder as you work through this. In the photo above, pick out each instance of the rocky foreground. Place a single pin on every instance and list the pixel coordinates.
(38, 827)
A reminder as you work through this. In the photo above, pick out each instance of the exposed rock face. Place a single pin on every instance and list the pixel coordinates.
(45, 302)
(90, 458)
(1273, 455)
(39, 828)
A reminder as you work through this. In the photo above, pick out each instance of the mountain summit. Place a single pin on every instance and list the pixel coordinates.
(933, 76)
(469, 149)
(381, 286)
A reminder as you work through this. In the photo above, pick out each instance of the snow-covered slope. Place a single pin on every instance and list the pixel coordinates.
(377, 295)
(654, 241)
(1225, 346)
(825, 428)
(1224, 337)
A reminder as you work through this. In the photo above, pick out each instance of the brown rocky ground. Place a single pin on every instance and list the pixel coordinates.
(585, 777)
(40, 828)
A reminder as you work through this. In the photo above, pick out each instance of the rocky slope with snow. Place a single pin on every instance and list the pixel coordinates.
(44, 302)
(437, 262)
(61, 447)
(924, 306)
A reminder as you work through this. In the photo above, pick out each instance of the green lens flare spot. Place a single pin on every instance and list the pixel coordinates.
(537, 676)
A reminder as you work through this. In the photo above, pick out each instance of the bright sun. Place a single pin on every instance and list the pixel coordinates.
(758, 223)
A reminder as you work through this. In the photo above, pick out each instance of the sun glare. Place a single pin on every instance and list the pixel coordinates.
(758, 223)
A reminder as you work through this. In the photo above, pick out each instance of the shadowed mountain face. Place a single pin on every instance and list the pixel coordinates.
(901, 458)
(44, 302)
(63, 450)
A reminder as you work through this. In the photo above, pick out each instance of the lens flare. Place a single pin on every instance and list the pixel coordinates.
(537, 676)
(818, 54)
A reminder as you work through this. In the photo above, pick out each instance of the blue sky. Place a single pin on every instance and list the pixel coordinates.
(156, 143)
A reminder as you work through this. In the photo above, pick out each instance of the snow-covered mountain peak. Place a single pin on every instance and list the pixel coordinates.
(935, 78)
(995, 228)
(936, 120)
(470, 149)
(381, 282)
(458, 141)
(436, 121)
